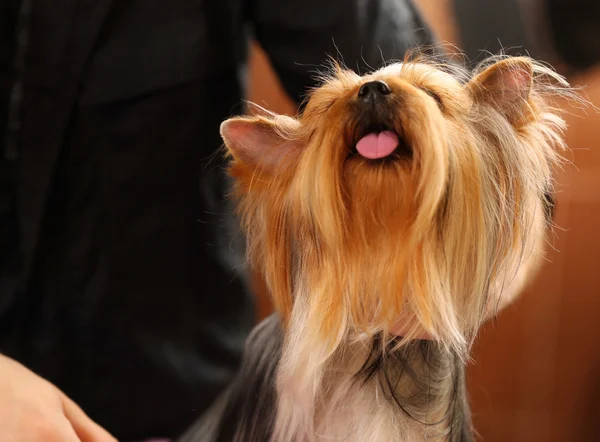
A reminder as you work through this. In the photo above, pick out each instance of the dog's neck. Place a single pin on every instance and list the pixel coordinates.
(368, 391)
(404, 395)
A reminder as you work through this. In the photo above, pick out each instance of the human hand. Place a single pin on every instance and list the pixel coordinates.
(34, 410)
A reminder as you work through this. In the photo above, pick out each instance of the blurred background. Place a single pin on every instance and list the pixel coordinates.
(535, 375)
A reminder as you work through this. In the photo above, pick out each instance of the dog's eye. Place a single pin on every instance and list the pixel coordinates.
(433, 95)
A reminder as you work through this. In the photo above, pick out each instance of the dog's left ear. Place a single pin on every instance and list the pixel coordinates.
(505, 85)
(261, 142)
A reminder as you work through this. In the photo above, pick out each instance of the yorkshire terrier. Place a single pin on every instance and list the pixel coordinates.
(397, 213)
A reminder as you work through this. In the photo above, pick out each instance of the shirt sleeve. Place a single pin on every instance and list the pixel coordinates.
(299, 35)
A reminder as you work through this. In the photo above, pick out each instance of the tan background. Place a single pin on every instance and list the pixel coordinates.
(536, 370)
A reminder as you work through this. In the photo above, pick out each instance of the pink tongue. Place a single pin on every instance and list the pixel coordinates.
(379, 145)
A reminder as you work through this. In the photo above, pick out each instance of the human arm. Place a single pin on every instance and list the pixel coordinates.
(299, 34)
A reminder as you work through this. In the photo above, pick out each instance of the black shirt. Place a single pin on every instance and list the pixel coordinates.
(118, 264)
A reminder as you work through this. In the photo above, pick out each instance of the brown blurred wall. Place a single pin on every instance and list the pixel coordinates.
(536, 370)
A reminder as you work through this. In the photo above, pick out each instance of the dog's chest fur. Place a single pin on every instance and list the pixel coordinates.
(387, 401)
(357, 411)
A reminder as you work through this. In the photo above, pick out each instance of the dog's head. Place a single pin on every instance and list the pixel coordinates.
(407, 201)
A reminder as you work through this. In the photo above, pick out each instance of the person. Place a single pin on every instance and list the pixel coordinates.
(565, 34)
(118, 268)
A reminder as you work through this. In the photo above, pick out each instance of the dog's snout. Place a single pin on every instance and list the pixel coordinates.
(373, 91)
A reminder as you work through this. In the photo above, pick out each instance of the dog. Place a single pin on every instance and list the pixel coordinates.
(391, 218)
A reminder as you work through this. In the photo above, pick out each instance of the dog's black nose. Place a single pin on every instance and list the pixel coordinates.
(373, 91)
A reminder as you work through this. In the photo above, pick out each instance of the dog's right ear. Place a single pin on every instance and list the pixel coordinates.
(506, 85)
(262, 143)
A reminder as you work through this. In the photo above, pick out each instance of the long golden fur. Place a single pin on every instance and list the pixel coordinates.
(425, 244)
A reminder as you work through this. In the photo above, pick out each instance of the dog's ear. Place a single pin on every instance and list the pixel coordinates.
(260, 142)
(505, 85)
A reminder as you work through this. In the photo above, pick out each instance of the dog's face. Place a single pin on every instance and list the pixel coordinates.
(405, 201)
